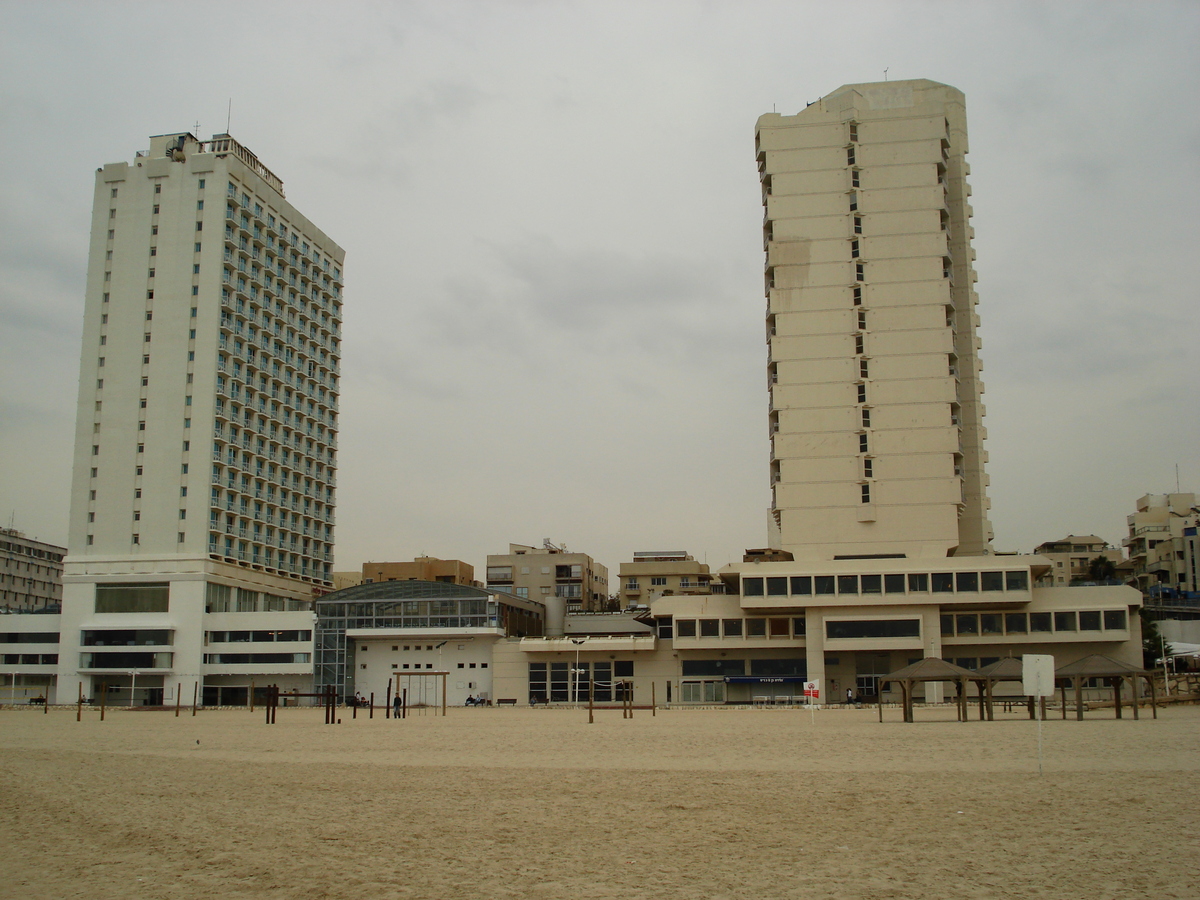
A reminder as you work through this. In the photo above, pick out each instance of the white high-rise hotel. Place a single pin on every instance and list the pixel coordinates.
(202, 501)
(873, 367)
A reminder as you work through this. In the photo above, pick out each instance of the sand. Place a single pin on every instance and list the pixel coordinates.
(537, 803)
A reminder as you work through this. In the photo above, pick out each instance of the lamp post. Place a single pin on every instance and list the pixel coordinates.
(132, 687)
(575, 671)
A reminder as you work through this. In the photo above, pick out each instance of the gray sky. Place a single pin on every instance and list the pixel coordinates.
(551, 215)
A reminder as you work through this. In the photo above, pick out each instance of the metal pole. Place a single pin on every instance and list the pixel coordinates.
(132, 687)
(103, 698)
(195, 695)
(653, 701)
(79, 707)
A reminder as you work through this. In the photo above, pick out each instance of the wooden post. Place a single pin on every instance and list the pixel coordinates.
(177, 698)
(404, 705)
(591, 701)
(1079, 698)
(371, 706)
(1063, 691)
(1032, 714)
(252, 695)
(1133, 685)
(387, 709)
(103, 698)
(46, 705)
(879, 700)
(991, 702)
(1118, 685)
(443, 694)
(982, 703)
(1154, 697)
(1043, 704)
(79, 707)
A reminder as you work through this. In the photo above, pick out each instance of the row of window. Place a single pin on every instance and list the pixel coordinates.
(30, 659)
(241, 659)
(258, 637)
(913, 582)
(970, 624)
(561, 682)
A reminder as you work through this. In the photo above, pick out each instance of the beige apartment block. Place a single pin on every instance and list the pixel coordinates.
(873, 364)
(1071, 558)
(1162, 543)
(552, 575)
(656, 573)
(202, 498)
(423, 568)
(30, 573)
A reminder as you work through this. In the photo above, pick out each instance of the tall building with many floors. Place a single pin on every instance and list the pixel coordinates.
(202, 502)
(872, 365)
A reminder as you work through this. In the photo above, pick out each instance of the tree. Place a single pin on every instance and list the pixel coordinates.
(1152, 641)
(1101, 569)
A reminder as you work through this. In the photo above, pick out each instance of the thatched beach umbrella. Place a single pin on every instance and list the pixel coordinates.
(1115, 671)
(928, 669)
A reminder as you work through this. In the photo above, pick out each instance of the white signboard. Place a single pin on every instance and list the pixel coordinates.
(1037, 675)
(812, 690)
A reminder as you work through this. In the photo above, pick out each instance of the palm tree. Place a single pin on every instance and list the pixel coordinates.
(1101, 569)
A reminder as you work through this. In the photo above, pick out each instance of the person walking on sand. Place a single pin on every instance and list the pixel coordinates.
(396, 707)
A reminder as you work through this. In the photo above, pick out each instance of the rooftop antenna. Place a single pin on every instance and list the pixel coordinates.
(885, 71)
(228, 115)
(1177, 478)
(197, 128)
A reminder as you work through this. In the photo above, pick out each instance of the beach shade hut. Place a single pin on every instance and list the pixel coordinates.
(1111, 669)
(928, 669)
(1007, 669)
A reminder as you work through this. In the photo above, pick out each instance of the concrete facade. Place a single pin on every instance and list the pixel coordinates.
(875, 417)
(202, 494)
(655, 573)
(1071, 558)
(1162, 543)
(30, 574)
(552, 575)
(423, 568)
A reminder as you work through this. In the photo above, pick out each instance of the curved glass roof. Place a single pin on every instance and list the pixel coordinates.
(414, 590)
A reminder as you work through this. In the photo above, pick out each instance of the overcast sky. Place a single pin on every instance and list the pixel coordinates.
(552, 225)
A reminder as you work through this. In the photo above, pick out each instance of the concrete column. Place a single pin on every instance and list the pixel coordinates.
(814, 648)
(931, 637)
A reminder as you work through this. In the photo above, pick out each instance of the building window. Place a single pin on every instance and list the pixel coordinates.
(855, 178)
(866, 493)
(863, 369)
(658, 581)
(862, 443)
(854, 248)
(137, 539)
(860, 272)
(868, 469)
(859, 344)
(857, 295)
(862, 393)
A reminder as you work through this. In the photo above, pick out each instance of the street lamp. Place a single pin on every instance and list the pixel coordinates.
(575, 671)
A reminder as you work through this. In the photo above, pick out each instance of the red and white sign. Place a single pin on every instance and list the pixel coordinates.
(812, 690)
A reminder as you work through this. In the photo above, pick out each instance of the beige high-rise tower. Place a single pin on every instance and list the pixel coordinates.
(873, 359)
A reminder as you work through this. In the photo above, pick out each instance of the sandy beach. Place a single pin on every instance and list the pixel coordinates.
(722, 803)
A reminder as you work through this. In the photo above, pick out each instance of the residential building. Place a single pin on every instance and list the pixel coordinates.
(552, 575)
(655, 573)
(1162, 544)
(1071, 557)
(30, 574)
(423, 568)
(202, 497)
(873, 364)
